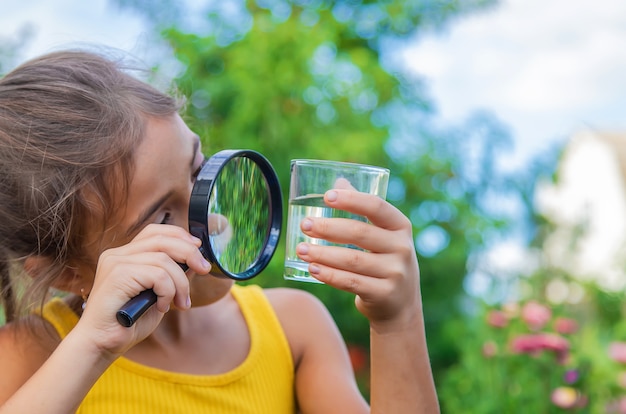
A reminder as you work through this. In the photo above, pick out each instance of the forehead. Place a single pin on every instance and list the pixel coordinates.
(165, 144)
(161, 162)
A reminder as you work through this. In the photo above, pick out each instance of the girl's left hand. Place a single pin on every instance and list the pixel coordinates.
(385, 277)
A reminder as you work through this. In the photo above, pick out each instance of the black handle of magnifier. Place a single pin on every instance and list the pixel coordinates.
(137, 306)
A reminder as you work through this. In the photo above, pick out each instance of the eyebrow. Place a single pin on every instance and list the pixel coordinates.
(149, 212)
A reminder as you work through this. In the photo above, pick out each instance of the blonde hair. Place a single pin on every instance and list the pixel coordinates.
(69, 124)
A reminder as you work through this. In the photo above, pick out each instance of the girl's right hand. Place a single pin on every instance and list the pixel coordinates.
(149, 261)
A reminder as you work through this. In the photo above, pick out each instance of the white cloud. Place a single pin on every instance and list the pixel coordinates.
(65, 23)
(547, 69)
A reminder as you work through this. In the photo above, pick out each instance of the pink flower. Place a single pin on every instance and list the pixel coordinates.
(571, 376)
(535, 315)
(490, 349)
(565, 326)
(617, 407)
(617, 352)
(533, 344)
(565, 397)
(497, 319)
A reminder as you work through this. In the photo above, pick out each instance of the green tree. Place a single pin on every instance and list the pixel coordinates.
(309, 79)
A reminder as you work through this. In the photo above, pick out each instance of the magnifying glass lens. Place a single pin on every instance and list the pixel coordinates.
(238, 215)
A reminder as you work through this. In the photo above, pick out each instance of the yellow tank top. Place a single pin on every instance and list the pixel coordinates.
(263, 383)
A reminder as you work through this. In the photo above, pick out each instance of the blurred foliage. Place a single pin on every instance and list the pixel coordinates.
(540, 356)
(308, 79)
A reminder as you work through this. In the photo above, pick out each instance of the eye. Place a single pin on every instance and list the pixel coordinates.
(166, 219)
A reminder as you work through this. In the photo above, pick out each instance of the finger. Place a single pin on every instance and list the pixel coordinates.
(162, 284)
(181, 250)
(150, 270)
(342, 258)
(377, 298)
(344, 184)
(351, 231)
(378, 211)
(367, 288)
(170, 230)
(167, 269)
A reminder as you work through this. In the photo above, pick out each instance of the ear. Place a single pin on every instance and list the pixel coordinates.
(70, 279)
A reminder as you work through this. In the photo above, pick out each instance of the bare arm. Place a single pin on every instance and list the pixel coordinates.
(400, 369)
(72, 368)
(324, 380)
(385, 279)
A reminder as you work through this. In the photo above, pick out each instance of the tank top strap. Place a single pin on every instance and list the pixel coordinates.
(58, 314)
(261, 317)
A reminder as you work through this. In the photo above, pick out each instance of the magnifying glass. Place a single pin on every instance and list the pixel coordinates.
(236, 210)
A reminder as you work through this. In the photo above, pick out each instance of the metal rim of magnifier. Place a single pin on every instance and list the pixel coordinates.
(199, 210)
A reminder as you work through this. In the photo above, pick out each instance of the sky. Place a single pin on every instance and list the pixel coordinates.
(546, 69)
(59, 23)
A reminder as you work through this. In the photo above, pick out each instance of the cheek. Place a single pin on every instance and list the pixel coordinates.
(99, 240)
(114, 236)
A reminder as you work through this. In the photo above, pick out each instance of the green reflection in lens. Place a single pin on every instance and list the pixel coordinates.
(238, 215)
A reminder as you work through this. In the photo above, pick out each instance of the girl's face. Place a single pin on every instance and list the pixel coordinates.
(166, 165)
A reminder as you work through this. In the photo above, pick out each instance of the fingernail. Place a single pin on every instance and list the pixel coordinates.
(205, 264)
(307, 224)
(188, 303)
(331, 195)
(314, 269)
(302, 248)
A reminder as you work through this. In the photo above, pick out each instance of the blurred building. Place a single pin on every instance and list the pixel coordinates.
(588, 205)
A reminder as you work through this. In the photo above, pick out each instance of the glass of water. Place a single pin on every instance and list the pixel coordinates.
(310, 179)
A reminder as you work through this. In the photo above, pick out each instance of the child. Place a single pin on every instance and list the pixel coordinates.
(97, 169)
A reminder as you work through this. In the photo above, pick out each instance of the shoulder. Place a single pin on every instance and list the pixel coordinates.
(304, 318)
(298, 306)
(28, 338)
(289, 298)
(25, 346)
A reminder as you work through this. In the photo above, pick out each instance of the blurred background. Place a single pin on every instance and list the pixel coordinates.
(504, 128)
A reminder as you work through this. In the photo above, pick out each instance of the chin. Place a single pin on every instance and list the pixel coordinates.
(208, 289)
